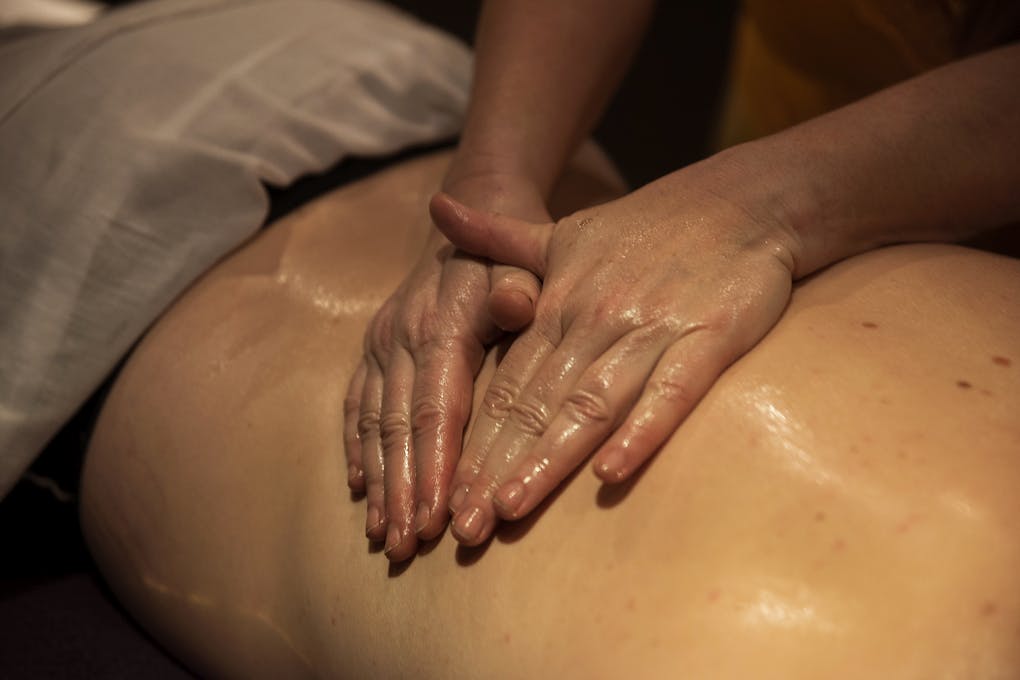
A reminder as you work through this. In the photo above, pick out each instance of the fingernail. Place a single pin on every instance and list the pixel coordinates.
(353, 474)
(422, 517)
(392, 538)
(468, 525)
(458, 497)
(373, 520)
(510, 497)
(612, 466)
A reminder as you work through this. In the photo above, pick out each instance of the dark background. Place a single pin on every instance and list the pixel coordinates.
(56, 618)
(662, 116)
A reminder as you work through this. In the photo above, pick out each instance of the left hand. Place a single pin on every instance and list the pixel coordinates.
(409, 400)
(645, 301)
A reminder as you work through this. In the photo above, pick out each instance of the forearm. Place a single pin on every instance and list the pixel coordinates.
(544, 72)
(936, 158)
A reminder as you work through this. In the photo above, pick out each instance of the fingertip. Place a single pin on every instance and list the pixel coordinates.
(430, 520)
(444, 209)
(611, 467)
(375, 523)
(422, 517)
(511, 309)
(355, 478)
(509, 500)
(401, 543)
(457, 498)
(441, 201)
(472, 526)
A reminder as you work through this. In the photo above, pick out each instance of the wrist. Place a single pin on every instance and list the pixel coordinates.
(495, 190)
(781, 186)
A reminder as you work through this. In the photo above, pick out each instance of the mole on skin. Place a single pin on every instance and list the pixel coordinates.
(963, 384)
(869, 324)
(1002, 361)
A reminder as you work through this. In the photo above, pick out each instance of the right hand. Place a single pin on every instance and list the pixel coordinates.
(410, 399)
(645, 301)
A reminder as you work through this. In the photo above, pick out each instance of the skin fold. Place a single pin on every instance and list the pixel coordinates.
(841, 503)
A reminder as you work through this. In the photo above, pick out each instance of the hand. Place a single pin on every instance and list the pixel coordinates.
(645, 301)
(410, 398)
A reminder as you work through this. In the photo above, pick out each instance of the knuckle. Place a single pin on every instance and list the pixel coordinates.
(394, 429)
(368, 423)
(654, 332)
(604, 311)
(425, 339)
(420, 327)
(427, 415)
(674, 391)
(548, 323)
(588, 406)
(531, 416)
(382, 322)
(500, 396)
(615, 312)
(377, 344)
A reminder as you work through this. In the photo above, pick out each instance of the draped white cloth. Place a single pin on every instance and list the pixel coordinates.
(132, 155)
(48, 12)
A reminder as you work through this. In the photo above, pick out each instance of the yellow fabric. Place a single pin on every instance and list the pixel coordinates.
(796, 59)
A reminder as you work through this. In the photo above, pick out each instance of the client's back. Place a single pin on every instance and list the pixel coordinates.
(843, 503)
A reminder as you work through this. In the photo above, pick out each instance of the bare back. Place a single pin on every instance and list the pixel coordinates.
(843, 503)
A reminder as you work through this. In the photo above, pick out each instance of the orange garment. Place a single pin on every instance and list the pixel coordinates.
(796, 59)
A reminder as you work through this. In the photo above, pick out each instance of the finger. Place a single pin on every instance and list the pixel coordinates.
(371, 450)
(500, 238)
(398, 453)
(352, 443)
(527, 422)
(512, 296)
(521, 362)
(440, 407)
(595, 405)
(681, 378)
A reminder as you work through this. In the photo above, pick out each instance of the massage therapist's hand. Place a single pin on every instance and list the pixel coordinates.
(644, 302)
(408, 402)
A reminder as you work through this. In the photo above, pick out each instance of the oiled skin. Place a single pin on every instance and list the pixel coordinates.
(843, 502)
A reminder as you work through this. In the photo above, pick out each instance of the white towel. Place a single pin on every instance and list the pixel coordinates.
(132, 155)
(48, 12)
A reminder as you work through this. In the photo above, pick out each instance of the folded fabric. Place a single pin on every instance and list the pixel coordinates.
(134, 151)
(48, 12)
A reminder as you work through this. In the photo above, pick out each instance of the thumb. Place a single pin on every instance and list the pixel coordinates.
(512, 295)
(499, 238)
